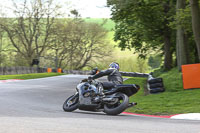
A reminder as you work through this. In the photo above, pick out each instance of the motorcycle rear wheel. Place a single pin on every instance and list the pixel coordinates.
(119, 107)
(71, 103)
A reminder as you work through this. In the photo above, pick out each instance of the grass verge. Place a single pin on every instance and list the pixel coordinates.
(29, 76)
(175, 100)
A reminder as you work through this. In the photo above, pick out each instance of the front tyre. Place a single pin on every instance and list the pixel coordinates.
(71, 103)
(119, 106)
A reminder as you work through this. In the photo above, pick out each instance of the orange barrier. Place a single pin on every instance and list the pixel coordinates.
(59, 70)
(49, 70)
(191, 76)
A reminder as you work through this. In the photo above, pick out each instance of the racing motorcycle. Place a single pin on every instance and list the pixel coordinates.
(90, 96)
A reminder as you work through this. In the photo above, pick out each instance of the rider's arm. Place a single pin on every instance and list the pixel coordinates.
(102, 73)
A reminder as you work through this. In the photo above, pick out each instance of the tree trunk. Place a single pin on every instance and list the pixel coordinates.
(167, 38)
(1, 45)
(56, 59)
(195, 11)
(181, 51)
(167, 51)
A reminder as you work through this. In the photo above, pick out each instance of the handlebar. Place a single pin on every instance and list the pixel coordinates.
(90, 81)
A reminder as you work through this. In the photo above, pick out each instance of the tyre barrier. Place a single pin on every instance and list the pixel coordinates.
(155, 80)
(156, 90)
(155, 85)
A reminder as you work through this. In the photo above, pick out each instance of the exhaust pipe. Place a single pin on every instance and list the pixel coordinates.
(131, 104)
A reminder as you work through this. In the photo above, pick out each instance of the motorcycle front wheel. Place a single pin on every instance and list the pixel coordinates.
(119, 106)
(71, 103)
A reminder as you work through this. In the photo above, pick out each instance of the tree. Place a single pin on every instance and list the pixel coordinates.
(141, 65)
(76, 44)
(144, 25)
(1, 46)
(30, 30)
(154, 61)
(2, 34)
(195, 11)
(181, 43)
(182, 24)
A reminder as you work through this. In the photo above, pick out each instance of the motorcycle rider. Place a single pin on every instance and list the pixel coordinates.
(114, 76)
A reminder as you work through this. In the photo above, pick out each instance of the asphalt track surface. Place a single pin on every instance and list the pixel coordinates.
(35, 106)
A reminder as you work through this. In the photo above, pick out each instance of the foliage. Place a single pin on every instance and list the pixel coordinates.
(183, 18)
(141, 21)
(29, 30)
(48, 57)
(150, 25)
(154, 61)
(109, 24)
(185, 45)
(77, 43)
(195, 12)
(36, 32)
(4, 48)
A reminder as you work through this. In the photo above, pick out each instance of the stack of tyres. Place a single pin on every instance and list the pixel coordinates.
(155, 85)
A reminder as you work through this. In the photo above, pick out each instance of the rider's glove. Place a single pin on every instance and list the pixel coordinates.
(90, 78)
(84, 80)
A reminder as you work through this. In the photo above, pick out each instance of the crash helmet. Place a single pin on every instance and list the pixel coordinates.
(114, 65)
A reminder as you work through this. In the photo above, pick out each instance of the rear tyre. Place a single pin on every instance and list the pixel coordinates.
(119, 106)
(71, 103)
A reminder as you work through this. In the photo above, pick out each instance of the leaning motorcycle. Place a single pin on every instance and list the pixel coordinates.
(90, 96)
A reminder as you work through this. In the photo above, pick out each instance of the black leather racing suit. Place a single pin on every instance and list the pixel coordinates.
(114, 78)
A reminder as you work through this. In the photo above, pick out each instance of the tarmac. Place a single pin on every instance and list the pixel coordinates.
(187, 116)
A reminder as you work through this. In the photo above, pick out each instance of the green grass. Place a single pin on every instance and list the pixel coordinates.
(172, 80)
(29, 76)
(175, 100)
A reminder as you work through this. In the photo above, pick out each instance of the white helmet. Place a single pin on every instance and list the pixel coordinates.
(114, 65)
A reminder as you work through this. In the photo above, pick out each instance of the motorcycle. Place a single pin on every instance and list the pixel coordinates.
(90, 96)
